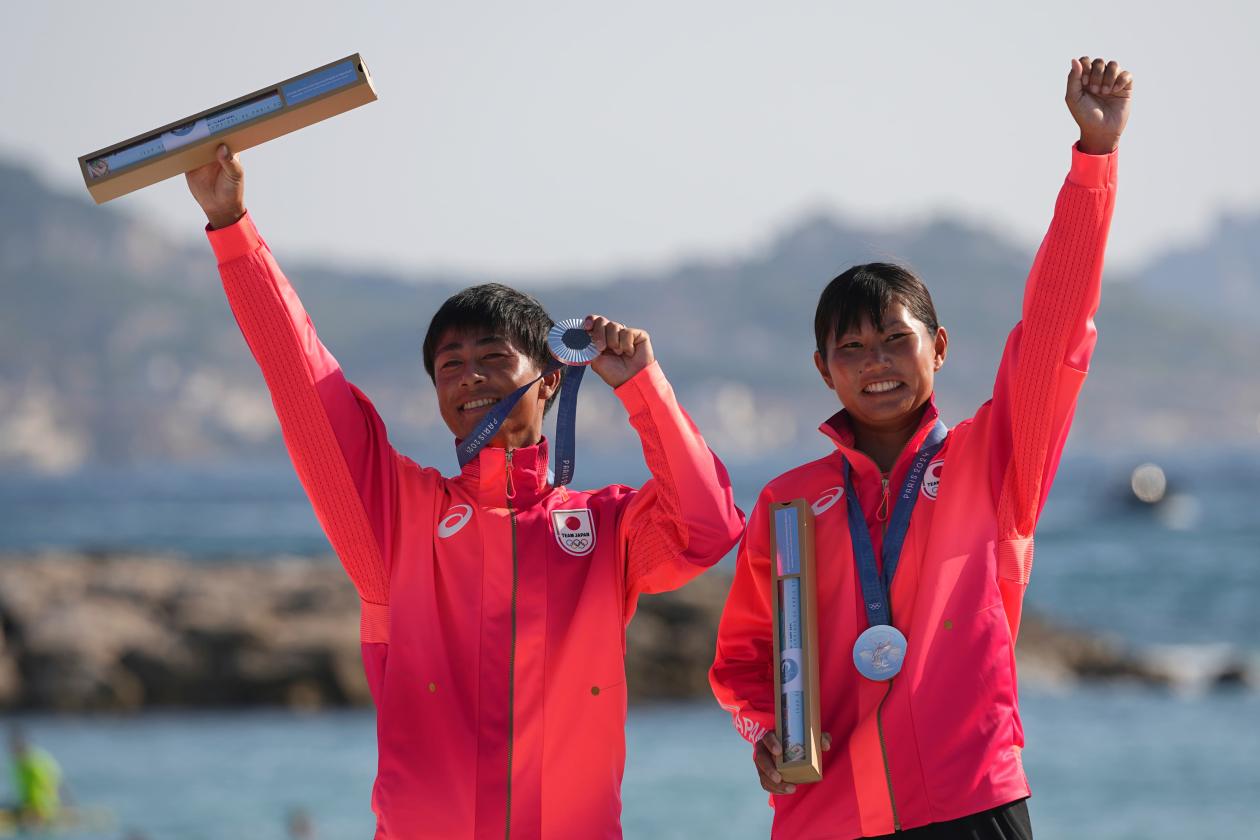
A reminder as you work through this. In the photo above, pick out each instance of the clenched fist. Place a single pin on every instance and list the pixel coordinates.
(624, 351)
(1098, 95)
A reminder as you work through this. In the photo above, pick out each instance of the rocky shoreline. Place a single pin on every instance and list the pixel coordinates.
(125, 632)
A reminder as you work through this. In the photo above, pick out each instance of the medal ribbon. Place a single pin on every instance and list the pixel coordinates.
(876, 587)
(566, 422)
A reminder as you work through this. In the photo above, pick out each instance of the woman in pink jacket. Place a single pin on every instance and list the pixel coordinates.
(494, 604)
(926, 533)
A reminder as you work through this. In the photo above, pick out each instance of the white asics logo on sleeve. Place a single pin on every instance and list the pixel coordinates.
(457, 517)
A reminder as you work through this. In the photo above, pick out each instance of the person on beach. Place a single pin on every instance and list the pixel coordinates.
(494, 604)
(36, 782)
(922, 734)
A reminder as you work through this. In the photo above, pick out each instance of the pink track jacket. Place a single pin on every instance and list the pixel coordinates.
(494, 605)
(942, 740)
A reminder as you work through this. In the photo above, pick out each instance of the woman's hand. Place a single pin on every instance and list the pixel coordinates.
(764, 755)
(1098, 95)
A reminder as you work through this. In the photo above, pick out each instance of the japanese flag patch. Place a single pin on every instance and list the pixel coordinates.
(575, 530)
(932, 479)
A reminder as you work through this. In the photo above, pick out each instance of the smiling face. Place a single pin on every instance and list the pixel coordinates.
(884, 376)
(473, 369)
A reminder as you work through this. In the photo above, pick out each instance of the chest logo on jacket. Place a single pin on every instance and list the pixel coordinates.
(575, 531)
(457, 517)
(932, 479)
(827, 500)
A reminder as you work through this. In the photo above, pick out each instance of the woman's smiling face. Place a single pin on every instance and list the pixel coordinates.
(884, 375)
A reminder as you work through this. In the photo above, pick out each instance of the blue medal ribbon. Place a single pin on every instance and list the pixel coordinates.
(876, 586)
(566, 417)
(566, 425)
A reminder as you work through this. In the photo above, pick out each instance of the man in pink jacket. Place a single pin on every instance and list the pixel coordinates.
(494, 604)
(924, 536)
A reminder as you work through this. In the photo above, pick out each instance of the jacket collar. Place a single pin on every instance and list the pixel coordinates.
(839, 428)
(527, 481)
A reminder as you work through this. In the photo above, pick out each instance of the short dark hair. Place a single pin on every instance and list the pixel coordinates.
(865, 292)
(516, 316)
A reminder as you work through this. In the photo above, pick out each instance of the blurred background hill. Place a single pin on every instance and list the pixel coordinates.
(116, 346)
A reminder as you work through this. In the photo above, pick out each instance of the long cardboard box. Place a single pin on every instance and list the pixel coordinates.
(794, 612)
(242, 123)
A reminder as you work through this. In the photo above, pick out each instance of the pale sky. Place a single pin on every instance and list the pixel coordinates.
(542, 136)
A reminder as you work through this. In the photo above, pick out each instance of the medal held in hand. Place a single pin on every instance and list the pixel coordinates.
(795, 622)
(571, 344)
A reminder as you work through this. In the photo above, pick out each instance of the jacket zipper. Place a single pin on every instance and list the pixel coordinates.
(883, 748)
(882, 513)
(883, 517)
(512, 657)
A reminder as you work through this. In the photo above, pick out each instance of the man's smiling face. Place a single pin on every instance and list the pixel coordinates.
(474, 369)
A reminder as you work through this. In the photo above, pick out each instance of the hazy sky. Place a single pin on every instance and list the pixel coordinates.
(538, 136)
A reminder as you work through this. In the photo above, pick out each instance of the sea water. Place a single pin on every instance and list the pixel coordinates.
(1104, 764)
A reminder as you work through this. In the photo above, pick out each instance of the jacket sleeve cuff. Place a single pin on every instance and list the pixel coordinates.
(1095, 172)
(648, 384)
(753, 725)
(234, 241)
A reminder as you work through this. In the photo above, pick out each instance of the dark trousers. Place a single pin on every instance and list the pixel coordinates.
(1005, 822)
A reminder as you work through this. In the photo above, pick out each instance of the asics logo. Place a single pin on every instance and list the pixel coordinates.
(827, 500)
(457, 517)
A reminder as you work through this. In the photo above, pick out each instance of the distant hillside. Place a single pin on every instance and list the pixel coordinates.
(1219, 277)
(116, 345)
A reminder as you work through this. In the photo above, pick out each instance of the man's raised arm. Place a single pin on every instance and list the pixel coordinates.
(684, 519)
(334, 436)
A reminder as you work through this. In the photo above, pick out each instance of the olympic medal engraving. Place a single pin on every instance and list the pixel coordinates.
(570, 343)
(879, 652)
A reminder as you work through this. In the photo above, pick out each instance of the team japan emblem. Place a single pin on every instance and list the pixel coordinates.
(575, 530)
(932, 479)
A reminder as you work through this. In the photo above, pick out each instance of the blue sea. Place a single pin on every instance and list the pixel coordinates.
(1104, 763)
(1181, 579)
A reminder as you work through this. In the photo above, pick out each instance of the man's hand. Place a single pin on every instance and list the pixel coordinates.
(764, 754)
(624, 351)
(219, 188)
(1098, 95)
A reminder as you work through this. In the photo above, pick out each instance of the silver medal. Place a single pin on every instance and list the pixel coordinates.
(879, 652)
(571, 344)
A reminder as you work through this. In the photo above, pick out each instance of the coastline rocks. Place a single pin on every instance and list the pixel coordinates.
(88, 633)
(125, 632)
(1049, 653)
(671, 639)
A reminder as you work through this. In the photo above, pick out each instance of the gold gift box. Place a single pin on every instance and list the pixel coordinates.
(242, 123)
(795, 618)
